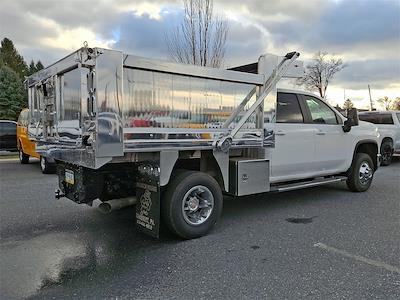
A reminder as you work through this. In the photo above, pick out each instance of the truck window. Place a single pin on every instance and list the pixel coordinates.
(377, 118)
(369, 118)
(320, 112)
(387, 119)
(288, 109)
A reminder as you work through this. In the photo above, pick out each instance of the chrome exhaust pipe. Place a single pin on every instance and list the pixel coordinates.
(108, 206)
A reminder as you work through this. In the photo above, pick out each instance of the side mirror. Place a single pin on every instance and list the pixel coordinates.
(352, 119)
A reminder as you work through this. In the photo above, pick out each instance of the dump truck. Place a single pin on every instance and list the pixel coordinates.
(175, 138)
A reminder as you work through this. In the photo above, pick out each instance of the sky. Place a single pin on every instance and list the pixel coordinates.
(364, 33)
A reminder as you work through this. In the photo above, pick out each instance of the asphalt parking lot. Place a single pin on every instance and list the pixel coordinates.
(320, 243)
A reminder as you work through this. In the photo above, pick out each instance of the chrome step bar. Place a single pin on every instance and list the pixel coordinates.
(302, 185)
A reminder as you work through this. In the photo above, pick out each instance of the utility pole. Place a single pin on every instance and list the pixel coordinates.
(371, 108)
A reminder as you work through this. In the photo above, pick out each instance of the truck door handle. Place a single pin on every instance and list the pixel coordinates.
(321, 132)
(280, 132)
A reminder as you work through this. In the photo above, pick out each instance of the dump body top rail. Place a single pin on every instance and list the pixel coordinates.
(138, 62)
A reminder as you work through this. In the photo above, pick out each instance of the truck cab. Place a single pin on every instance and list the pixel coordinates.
(310, 140)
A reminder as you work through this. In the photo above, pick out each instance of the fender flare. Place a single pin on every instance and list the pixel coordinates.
(375, 157)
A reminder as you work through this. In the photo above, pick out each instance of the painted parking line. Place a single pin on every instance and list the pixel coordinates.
(363, 259)
(8, 159)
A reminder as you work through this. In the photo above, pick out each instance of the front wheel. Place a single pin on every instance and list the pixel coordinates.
(361, 173)
(192, 204)
(46, 166)
(387, 152)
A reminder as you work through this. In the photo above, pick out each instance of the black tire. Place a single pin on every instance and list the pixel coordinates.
(173, 204)
(23, 158)
(46, 166)
(359, 178)
(386, 152)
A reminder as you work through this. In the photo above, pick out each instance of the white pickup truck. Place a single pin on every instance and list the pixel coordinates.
(310, 141)
(174, 138)
(388, 123)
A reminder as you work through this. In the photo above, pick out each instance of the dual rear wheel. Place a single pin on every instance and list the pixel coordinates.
(192, 204)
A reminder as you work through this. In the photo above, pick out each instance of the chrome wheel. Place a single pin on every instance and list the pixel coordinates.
(197, 205)
(365, 173)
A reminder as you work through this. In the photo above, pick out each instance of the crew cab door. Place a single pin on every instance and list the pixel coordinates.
(293, 155)
(332, 144)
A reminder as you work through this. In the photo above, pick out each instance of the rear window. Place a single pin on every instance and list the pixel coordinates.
(288, 109)
(377, 118)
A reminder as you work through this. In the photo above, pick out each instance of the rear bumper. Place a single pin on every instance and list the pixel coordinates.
(84, 157)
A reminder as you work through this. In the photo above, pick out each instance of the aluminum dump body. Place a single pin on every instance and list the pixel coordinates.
(98, 105)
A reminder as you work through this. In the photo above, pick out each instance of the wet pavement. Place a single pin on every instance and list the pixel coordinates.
(318, 243)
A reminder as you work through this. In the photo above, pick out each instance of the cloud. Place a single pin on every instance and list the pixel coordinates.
(365, 33)
(259, 10)
(357, 21)
(145, 36)
(377, 72)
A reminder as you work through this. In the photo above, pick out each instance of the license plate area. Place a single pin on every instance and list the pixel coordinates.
(69, 177)
(79, 184)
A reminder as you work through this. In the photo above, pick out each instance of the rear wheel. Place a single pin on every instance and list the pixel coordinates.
(23, 158)
(386, 152)
(361, 173)
(46, 166)
(192, 204)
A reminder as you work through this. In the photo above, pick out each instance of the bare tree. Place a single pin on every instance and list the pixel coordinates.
(386, 102)
(200, 39)
(396, 104)
(320, 72)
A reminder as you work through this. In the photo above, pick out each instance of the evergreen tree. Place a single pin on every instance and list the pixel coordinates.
(39, 66)
(12, 94)
(348, 104)
(31, 68)
(10, 57)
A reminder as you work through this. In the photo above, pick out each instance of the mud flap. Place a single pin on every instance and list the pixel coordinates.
(148, 195)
